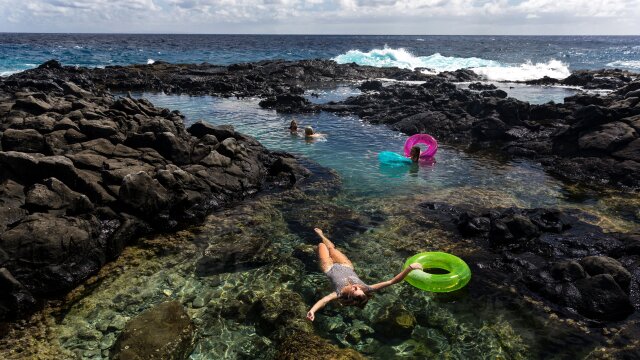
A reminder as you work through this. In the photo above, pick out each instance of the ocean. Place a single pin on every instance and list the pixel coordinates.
(499, 58)
(376, 216)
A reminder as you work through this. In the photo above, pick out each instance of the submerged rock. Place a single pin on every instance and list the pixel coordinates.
(308, 346)
(394, 322)
(83, 173)
(162, 332)
(234, 253)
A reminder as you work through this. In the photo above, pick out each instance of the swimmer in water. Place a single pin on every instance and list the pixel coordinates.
(415, 154)
(310, 134)
(349, 290)
(293, 127)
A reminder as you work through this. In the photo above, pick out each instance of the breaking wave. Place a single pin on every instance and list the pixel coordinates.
(491, 69)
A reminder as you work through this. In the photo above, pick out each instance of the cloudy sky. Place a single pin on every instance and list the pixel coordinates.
(494, 17)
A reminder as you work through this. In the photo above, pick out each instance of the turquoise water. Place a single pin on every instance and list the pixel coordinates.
(351, 147)
(370, 218)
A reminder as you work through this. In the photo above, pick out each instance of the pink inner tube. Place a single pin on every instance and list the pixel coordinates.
(432, 145)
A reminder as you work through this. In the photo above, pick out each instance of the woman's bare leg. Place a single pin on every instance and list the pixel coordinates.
(325, 257)
(336, 255)
(339, 258)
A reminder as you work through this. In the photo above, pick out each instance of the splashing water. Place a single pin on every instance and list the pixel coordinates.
(527, 71)
(402, 58)
(436, 63)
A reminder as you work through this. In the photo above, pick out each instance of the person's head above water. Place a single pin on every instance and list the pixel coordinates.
(415, 153)
(293, 126)
(308, 131)
(354, 295)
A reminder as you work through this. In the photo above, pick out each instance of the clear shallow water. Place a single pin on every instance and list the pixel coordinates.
(480, 322)
(351, 148)
(535, 94)
(517, 57)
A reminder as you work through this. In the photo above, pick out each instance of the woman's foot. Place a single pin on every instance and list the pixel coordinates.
(325, 241)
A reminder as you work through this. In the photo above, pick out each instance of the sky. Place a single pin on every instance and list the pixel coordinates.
(426, 17)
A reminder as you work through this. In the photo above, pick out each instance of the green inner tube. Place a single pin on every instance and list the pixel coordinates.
(457, 277)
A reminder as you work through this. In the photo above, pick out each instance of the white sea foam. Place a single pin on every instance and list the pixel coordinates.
(150, 61)
(9, 72)
(389, 57)
(491, 69)
(528, 71)
(630, 64)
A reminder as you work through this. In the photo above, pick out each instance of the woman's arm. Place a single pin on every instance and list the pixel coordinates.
(396, 279)
(311, 315)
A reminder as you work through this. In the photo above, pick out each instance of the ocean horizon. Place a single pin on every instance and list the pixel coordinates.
(172, 195)
(497, 57)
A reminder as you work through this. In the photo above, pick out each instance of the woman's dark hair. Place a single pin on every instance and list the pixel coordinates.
(293, 125)
(361, 301)
(415, 153)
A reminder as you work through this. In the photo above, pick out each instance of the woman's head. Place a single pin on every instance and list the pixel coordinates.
(308, 131)
(415, 153)
(354, 295)
(293, 126)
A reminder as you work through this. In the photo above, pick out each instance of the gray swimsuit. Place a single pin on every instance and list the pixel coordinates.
(341, 276)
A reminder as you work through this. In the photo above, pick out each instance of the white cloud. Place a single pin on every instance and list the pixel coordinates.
(591, 8)
(323, 16)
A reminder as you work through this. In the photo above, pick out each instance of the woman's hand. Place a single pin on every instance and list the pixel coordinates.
(311, 316)
(318, 231)
(416, 266)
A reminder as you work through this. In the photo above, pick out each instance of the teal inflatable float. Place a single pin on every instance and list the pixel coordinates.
(457, 277)
(391, 158)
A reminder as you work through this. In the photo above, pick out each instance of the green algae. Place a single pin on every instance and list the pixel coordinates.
(258, 311)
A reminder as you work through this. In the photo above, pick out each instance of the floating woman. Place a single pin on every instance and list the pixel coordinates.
(349, 290)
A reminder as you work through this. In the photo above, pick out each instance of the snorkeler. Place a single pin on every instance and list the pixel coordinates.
(349, 289)
(310, 134)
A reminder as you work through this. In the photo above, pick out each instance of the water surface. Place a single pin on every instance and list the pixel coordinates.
(374, 222)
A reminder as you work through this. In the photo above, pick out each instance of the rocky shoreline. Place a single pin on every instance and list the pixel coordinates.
(84, 173)
(589, 139)
(576, 268)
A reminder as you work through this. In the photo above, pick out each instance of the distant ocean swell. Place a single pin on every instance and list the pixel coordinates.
(629, 64)
(492, 70)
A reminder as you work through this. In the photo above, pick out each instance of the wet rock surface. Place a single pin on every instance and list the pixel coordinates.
(84, 173)
(264, 78)
(610, 79)
(591, 139)
(162, 332)
(248, 277)
(552, 254)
